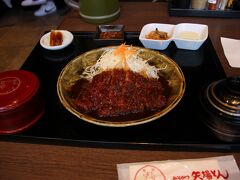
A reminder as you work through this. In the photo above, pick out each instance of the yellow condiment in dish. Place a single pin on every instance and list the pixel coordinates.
(189, 35)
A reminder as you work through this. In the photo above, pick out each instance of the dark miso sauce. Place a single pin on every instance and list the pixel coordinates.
(81, 84)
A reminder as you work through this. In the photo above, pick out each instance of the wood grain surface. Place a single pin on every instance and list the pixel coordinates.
(23, 161)
(33, 161)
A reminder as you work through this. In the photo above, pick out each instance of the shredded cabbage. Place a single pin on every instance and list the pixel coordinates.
(122, 57)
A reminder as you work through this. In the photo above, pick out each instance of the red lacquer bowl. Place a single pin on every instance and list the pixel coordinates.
(20, 102)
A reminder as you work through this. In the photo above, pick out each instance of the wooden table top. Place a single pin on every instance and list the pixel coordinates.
(39, 161)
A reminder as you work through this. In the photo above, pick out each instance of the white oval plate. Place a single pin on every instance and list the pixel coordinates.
(67, 39)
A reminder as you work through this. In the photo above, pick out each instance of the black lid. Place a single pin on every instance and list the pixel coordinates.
(224, 95)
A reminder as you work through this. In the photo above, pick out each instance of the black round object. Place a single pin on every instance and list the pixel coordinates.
(221, 101)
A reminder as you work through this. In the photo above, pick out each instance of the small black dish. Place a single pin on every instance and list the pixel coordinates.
(59, 55)
(107, 35)
(221, 101)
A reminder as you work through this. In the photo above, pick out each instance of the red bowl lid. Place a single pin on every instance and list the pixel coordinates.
(16, 88)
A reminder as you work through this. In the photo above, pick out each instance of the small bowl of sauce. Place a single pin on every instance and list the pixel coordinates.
(109, 35)
(190, 36)
(56, 39)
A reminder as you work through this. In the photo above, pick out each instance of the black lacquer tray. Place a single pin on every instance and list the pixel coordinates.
(180, 129)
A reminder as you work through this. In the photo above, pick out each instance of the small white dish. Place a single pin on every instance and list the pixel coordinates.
(190, 36)
(152, 43)
(182, 34)
(67, 39)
